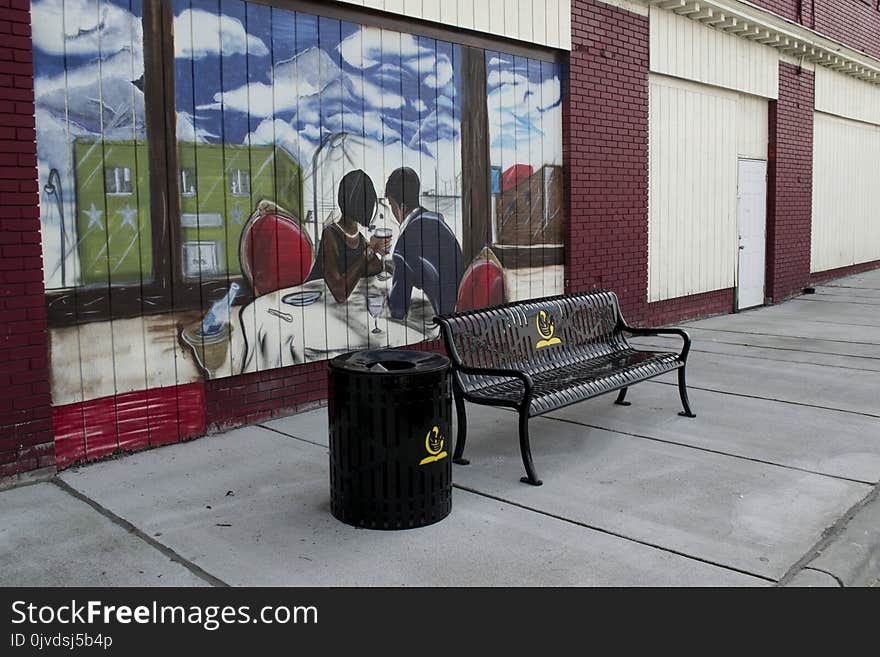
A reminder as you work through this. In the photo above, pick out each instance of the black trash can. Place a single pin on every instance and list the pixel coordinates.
(390, 453)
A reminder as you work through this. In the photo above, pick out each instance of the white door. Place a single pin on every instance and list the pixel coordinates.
(752, 200)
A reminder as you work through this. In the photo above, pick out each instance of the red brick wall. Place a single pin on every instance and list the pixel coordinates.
(855, 23)
(786, 9)
(130, 421)
(789, 184)
(605, 150)
(818, 277)
(249, 398)
(693, 306)
(25, 404)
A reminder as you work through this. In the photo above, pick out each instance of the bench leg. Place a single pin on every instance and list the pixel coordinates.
(621, 396)
(682, 390)
(461, 437)
(526, 450)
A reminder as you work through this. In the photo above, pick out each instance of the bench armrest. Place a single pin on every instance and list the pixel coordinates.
(461, 368)
(686, 339)
(498, 371)
(528, 384)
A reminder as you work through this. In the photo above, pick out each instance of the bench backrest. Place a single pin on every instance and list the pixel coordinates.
(534, 335)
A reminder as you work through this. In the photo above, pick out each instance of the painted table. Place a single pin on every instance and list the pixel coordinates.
(277, 332)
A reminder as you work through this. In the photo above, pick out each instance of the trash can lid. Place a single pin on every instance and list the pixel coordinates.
(390, 361)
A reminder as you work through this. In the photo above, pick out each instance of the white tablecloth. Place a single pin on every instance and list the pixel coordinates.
(277, 334)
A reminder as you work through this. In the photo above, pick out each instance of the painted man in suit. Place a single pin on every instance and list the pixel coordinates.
(427, 255)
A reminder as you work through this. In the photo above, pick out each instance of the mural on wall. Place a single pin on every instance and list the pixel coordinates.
(88, 59)
(362, 112)
(318, 183)
(524, 107)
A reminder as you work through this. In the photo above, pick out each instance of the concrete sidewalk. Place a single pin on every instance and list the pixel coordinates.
(774, 482)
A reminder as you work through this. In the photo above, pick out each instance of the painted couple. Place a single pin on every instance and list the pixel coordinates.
(427, 255)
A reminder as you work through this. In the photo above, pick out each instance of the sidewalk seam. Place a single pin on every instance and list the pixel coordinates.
(779, 335)
(135, 531)
(780, 360)
(855, 303)
(290, 435)
(800, 351)
(22, 479)
(770, 399)
(609, 532)
(825, 572)
(829, 536)
(718, 452)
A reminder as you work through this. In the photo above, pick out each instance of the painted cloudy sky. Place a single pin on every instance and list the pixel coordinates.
(247, 72)
(256, 67)
(300, 77)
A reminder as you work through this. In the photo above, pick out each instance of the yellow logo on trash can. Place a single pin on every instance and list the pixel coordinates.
(434, 446)
(546, 328)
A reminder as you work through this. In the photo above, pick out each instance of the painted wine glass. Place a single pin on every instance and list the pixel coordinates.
(383, 233)
(376, 302)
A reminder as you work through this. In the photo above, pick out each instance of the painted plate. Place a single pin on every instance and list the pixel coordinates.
(301, 298)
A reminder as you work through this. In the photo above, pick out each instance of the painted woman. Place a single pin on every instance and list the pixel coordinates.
(344, 254)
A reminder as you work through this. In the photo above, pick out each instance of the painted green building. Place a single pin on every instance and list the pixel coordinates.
(220, 185)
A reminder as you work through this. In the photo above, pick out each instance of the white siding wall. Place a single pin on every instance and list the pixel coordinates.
(708, 106)
(846, 172)
(847, 96)
(696, 134)
(752, 127)
(846, 192)
(543, 22)
(687, 49)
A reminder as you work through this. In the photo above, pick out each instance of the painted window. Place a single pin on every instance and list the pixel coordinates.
(240, 182)
(117, 180)
(524, 108)
(188, 181)
(200, 258)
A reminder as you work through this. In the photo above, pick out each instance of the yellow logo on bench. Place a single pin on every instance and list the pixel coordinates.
(434, 446)
(544, 323)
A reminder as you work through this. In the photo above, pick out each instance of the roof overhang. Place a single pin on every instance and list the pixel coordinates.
(750, 22)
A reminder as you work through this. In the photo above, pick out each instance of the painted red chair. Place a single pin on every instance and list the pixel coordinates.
(275, 251)
(483, 283)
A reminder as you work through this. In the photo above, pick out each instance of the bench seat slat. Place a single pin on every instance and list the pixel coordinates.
(572, 383)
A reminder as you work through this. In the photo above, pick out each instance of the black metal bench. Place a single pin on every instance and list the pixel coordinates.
(539, 355)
